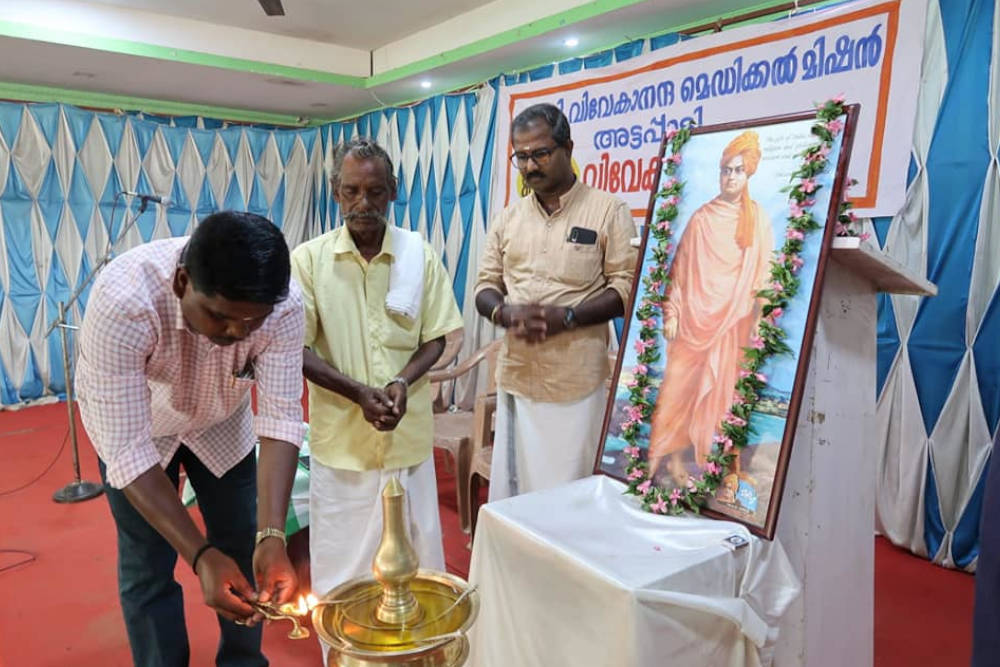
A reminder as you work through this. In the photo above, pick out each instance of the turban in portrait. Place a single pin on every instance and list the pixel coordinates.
(747, 145)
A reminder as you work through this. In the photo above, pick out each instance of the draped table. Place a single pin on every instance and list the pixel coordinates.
(580, 575)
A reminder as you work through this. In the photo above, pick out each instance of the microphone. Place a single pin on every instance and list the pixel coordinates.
(162, 201)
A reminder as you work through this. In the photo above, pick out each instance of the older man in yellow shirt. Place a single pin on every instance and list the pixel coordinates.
(378, 304)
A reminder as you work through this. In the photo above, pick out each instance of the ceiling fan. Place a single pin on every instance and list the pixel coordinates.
(272, 7)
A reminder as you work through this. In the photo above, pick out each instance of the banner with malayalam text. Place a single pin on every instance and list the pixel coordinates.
(867, 51)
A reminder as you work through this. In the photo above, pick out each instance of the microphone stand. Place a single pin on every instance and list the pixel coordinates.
(78, 489)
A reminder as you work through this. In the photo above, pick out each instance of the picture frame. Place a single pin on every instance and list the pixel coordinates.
(720, 257)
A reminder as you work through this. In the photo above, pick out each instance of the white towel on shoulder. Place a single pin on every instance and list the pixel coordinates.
(406, 274)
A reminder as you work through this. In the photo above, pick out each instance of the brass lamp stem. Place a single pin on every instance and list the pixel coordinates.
(395, 564)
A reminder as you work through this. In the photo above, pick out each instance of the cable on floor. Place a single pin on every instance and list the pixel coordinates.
(8, 492)
(24, 561)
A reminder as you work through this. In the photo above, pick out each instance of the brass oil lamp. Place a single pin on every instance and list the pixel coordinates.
(402, 616)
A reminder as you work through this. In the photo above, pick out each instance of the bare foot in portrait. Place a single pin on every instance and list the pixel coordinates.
(677, 469)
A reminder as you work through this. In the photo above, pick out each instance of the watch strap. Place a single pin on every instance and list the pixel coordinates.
(270, 532)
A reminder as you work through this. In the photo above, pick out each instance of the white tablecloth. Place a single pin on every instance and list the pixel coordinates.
(579, 575)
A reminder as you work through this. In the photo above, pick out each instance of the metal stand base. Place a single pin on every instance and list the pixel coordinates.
(74, 492)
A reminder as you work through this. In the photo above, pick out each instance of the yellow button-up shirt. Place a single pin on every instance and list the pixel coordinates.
(348, 326)
(530, 258)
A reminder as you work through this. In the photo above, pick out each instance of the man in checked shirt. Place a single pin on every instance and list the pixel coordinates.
(176, 333)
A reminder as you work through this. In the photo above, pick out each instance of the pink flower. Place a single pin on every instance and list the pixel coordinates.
(780, 258)
(636, 473)
(734, 420)
(726, 443)
(851, 216)
(808, 185)
(794, 234)
(835, 126)
(777, 287)
(642, 345)
(744, 373)
(756, 342)
(840, 230)
(671, 182)
(632, 451)
(672, 200)
(670, 248)
(713, 468)
(774, 315)
(660, 506)
(838, 99)
(795, 209)
(649, 322)
(634, 412)
(820, 154)
(632, 384)
(645, 391)
(797, 263)
(761, 377)
(865, 236)
(671, 133)
(675, 495)
(663, 225)
(675, 158)
(644, 487)
(640, 369)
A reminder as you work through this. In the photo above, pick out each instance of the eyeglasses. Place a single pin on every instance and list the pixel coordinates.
(731, 171)
(538, 156)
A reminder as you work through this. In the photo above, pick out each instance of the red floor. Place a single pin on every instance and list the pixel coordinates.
(61, 606)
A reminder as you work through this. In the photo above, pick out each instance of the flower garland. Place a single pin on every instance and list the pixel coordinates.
(766, 342)
(849, 224)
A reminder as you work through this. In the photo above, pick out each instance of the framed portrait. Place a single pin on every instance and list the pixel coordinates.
(731, 223)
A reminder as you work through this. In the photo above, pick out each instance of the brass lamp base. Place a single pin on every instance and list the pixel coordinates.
(346, 620)
(403, 616)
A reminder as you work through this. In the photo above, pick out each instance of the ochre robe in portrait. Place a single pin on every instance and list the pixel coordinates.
(712, 294)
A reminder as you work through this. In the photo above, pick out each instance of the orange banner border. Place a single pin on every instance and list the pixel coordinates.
(867, 200)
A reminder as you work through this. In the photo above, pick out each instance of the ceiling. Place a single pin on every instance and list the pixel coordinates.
(366, 25)
(324, 59)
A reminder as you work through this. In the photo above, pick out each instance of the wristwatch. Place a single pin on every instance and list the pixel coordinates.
(401, 380)
(270, 532)
(569, 319)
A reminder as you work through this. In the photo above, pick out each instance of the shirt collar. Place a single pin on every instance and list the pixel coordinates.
(564, 199)
(175, 313)
(343, 243)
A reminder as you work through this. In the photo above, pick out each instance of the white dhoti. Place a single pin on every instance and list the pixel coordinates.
(538, 445)
(345, 521)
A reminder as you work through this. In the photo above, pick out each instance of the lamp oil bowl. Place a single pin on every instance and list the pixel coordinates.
(402, 616)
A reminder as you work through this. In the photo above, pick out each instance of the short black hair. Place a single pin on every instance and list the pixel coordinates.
(363, 148)
(551, 115)
(238, 256)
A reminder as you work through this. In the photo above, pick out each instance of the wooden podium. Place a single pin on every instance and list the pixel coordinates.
(827, 520)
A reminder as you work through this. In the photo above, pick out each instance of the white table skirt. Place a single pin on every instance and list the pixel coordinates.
(579, 575)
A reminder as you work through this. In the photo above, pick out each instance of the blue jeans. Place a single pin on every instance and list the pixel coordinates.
(152, 601)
